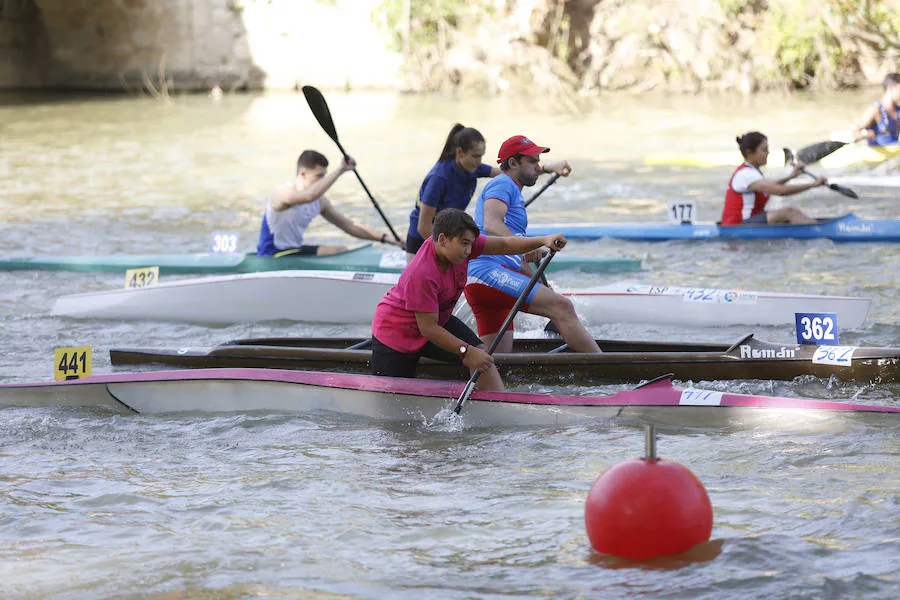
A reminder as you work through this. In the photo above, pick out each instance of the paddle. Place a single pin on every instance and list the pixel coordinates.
(470, 386)
(319, 108)
(550, 182)
(789, 158)
(550, 326)
(816, 152)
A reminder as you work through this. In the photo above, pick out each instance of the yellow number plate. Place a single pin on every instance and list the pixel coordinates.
(72, 363)
(140, 278)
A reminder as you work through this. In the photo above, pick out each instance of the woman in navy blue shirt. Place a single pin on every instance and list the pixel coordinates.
(450, 183)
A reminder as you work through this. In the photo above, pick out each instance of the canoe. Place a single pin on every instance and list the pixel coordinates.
(625, 302)
(546, 359)
(409, 400)
(346, 297)
(365, 258)
(846, 156)
(848, 228)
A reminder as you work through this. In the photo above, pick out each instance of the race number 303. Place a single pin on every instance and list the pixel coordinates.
(72, 363)
(224, 242)
(817, 328)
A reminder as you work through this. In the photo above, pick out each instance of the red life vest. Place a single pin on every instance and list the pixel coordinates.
(733, 213)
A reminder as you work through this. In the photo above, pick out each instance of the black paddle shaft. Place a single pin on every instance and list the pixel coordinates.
(550, 182)
(320, 111)
(789, 159)
(470, 386)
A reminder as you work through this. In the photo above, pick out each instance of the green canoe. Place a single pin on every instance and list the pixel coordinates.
(364, 258)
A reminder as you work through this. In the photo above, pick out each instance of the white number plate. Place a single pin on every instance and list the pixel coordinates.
(224, 242)
(695, 397)
(841, 356)
(682, 211)
(393, 260)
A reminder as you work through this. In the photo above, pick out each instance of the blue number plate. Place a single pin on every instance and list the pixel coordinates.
(817, 328)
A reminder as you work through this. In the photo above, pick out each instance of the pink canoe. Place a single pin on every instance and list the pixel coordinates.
(224, 390)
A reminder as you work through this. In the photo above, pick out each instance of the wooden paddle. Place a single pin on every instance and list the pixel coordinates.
(470, 386)
(789, 159)
(319, 108)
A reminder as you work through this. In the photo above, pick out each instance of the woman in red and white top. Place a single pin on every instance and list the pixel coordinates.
(748, 191)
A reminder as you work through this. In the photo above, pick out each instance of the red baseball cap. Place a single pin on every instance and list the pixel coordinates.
(519, 144)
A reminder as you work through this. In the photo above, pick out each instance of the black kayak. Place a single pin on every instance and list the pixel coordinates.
(549, 359)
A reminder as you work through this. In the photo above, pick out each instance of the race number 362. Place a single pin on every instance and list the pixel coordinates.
(817, 328)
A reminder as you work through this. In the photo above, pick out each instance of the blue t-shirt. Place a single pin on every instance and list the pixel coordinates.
(445, 186)
(887, 129)
(503, 188)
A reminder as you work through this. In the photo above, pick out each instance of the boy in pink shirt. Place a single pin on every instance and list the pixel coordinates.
(415, 318)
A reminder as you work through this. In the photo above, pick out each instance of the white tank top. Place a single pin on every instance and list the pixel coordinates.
(288, 226)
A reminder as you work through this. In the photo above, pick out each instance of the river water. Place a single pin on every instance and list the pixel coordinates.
(323, 506)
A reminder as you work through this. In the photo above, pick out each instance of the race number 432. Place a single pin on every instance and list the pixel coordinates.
(817, 328)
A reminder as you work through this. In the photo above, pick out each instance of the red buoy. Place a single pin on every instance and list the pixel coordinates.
(643, 508)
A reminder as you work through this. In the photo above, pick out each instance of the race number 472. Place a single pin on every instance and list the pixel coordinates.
(817, 328)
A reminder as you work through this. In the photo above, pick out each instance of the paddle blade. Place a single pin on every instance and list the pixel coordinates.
(843, 190)
(319, 108)
(788, 157)
(816, 152)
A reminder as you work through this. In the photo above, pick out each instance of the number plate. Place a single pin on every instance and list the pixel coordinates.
(141, 278)
(682, 211)
(224, 242)
(841, 356)
(72, 363)
(695, 397)
(817, 328)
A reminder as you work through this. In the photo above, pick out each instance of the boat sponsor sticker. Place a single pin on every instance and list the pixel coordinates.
(363, 276)
(393, 260)
(695, 397)
(748, 351)
(854, 228)
(72, 362)
(817, 328)
(841, 356)
(682, 211)
(691, 294)
(141, 278)
(224, 242)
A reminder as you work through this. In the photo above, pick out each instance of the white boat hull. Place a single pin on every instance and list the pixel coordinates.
(313, 296)
(413, 400)
(345, 297)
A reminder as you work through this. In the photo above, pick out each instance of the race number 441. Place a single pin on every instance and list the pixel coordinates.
(817, 328)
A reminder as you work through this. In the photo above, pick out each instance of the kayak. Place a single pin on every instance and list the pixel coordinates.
(848, 228)
(847, 156)
(407, 400)
(365, 258)
(541, 359)
(346, 297)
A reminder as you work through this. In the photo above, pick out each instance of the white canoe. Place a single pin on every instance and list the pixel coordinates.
(625, 302)
(411, 400)
(313, 296)
(345, 297)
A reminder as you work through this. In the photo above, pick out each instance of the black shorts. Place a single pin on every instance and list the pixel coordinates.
(413, 243)
(388, 362)
(757, 219)
(303, 250)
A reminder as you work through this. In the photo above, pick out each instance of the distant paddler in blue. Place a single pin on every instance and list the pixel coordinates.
(451, 182)
(748, 190)
(495, 282)
(295, 203)
(880, 124)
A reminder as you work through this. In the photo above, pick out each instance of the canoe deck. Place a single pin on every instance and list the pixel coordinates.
(549, 360)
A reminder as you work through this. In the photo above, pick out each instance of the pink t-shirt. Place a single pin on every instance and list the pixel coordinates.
(422, 287)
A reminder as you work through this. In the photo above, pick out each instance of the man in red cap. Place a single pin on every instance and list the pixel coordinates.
(495, 282)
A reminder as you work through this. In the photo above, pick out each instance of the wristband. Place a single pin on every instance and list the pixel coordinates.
(383, 237)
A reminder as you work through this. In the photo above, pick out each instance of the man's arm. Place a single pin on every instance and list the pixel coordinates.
(336, 218)
(494, 213)
(287, 196)
(869, 118)
(475, 358)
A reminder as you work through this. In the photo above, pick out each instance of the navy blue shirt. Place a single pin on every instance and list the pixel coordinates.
(445, 186)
